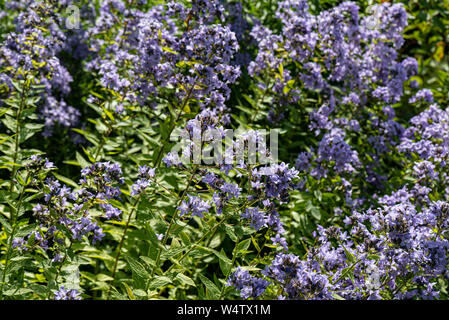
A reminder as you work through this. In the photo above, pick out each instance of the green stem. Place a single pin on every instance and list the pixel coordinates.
(167, 233)
(15, 215)
(58, 271)
(184, 104)
(234, 256)
(23, 96)
(117, 257)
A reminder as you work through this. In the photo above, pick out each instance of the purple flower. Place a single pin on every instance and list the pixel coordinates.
(422, 95)
(249, 286)
(194, 206)
(67, 294)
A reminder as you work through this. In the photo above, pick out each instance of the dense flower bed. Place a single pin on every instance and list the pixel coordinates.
(98, 200)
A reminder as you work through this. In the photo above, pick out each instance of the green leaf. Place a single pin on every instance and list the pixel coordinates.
(318, 195)
(17, 292)
(337, 297)
(68, 181)
(211, 289)
(136, 267)
(185, 279)
(108, 113)
(350, 256)
(40, 290)
(34, 126)
(313, 210)
(168, 49)
(250, 100)
(281, 70)
(243, 245)
(148, 261)
(225, 263)
(129, 291)
(159, 281)
(152, 235)
(230, 232)
(255, 244)
(83, 162)
(5, 223)
(171, 253)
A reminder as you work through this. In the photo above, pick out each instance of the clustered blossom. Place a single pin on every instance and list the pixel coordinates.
(204, 129)
(352, 62)
(236, 19)
(277, 179)
(428, 135)
(334, 148)
(66, 210)
(37, 163)
(269, 184)
(146, 174)
(396, 250)
(422, 95)
(223, 191)
(67, 294)
(172, 160)
(297, 280)
(194, 134)
(169, 47)
(354, 55)
(384, 248)
(32, 51)
(102, 181)
(62, 207)
(249, 286)
(104, 177)
(194, 206)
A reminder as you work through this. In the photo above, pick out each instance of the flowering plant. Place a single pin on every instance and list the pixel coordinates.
(99, 200)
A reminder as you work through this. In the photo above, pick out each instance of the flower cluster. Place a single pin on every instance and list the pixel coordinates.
(32, 51)
(170, 47)
(352, 63)
(145, 175)
(67, 294)
(357, 207)
(354, 55)
(223, 191)
(67, 213)
(393, 252)
(249, 286)
(397, 250)
(194, 206)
